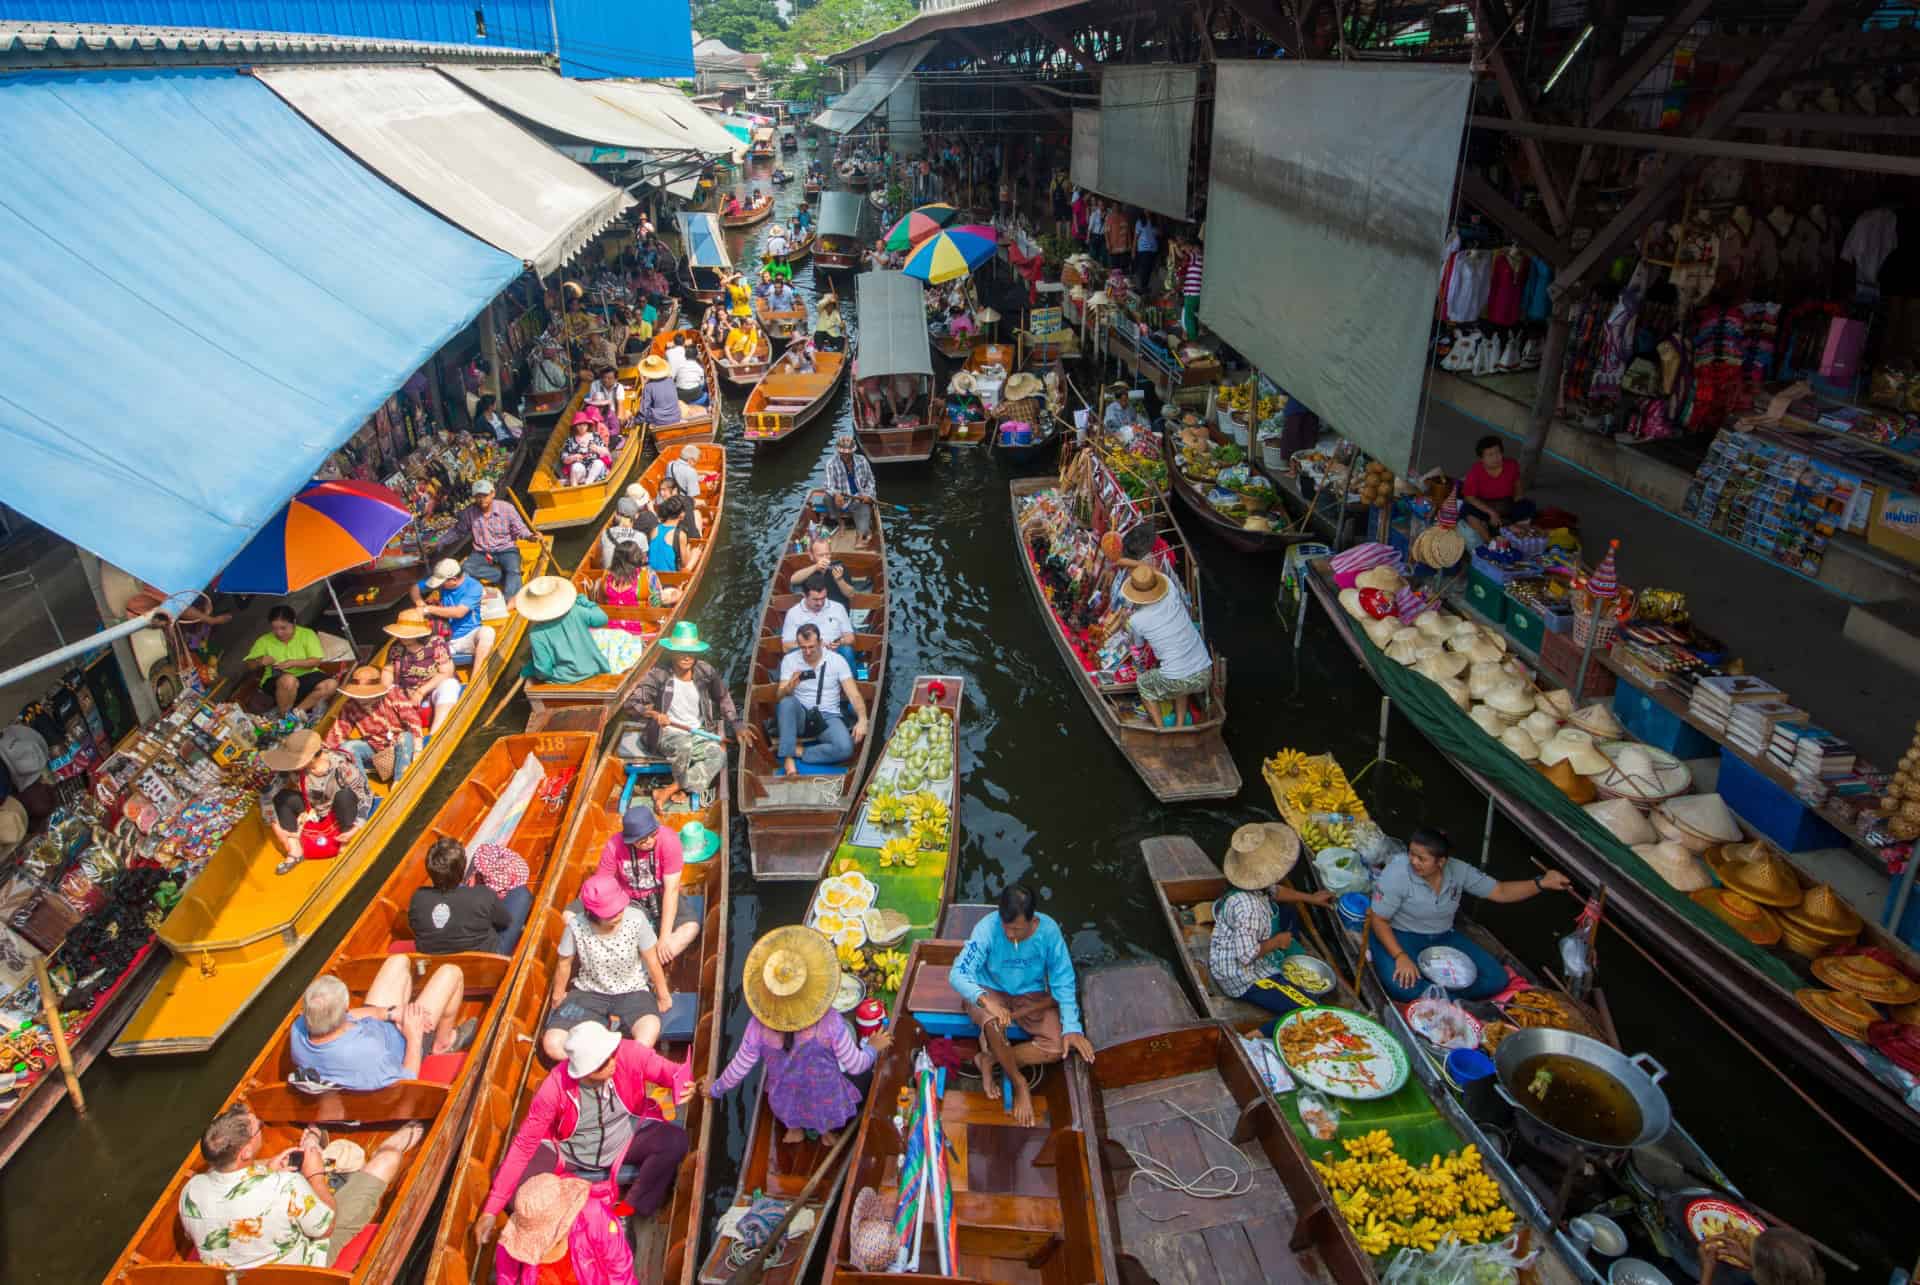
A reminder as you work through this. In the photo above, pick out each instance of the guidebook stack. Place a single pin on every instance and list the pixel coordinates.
(1714, 697)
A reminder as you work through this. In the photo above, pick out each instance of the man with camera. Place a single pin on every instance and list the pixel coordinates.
(816, 691)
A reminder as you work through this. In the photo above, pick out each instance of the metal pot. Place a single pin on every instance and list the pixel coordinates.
(1640, 1075)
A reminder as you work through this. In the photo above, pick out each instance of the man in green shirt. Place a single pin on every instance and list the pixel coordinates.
(288, 657)
(560, 638)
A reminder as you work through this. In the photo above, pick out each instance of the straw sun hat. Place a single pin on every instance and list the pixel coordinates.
(655, 368)
(1848, 1014)
(543, 1212)
(1261, 855)
(366, 683)
(1144, 586)
(1022, 386)
(545, 598)
(1623, 821)
(790, 978)
(293, 753)
(1867, 977)
(1641, 772)
(410, 624)
(1675, 864)
(1743, 914)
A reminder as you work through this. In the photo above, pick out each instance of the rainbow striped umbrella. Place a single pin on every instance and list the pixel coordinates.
(325, 529)
(951, 252)
(919, 224)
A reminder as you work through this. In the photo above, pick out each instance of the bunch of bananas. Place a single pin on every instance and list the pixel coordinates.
(899, 852)
(884, 807)
(1234, 396)
(892, 964)
(852, 958)
(1285, 763)
(1392, 1204)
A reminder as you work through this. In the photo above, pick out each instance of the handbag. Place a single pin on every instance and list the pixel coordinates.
(1642, 378)
(814, 725)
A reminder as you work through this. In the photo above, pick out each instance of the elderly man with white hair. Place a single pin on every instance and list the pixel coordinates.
(384, 1039)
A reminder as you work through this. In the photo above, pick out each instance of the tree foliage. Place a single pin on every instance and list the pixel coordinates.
(826, 27)
(751, 26)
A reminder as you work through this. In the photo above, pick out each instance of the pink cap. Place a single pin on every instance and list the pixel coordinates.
(603, 897)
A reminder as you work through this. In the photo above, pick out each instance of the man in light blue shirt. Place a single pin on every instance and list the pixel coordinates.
(1016, 970)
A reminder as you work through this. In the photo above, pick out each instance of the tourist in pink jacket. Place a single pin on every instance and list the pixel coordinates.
(590, 1118)
(561, 1231)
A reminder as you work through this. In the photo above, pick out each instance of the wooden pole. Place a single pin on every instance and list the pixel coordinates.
(1546, 394)
(754, 1269)
(1360, 961)
(52, 1013)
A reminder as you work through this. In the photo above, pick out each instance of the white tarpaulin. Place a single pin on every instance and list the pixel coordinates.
(669, 106)
(455, 155)
(874, 88)
(903, 119)
(1085, 171)
(1332, 191)
(567, 107)
(1146, 135)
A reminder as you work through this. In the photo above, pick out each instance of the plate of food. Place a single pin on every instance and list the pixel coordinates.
(1341, 1052)
(1710, 1216)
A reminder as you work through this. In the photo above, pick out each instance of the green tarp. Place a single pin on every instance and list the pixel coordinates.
(1458, 737)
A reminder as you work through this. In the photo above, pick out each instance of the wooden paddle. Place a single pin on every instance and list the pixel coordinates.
(753, 1271)
(59, 1033)
(546, 556)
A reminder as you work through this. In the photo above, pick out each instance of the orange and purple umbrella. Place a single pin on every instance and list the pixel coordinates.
(327, 528)
(916, 225)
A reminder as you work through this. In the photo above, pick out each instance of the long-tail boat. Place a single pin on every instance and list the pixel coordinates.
(741, 372)
(1024, 1200)
(757, 211)
(706, 263)
(800, 251)
(558, 503)
(534, 814)
(1151, 1052)
(697, 423)
(846, 219)
(983, 361)
(794, 821)
(1254, 531)
(787, 399)
(239, 923)
(1177, 763)
(781, 326)
(892, 347)
(590, 704)
(668, 1249)
(921, 893)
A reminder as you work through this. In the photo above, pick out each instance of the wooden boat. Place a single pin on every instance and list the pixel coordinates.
(556, 504)
(1152, 1051)
(893, 345)
(762, 147)
(442, 1096)
(800, 252)
(1177, 763)
(780, 1168)
(591, 704)
(1046, 429)
(1270, 533)
(794, 822)
(952, 347)
(788, 141)
(669, 1246)
(706, 262)
(780, 326)
(1024, 1201)
(811, 189)
(239, 923)
(787, 400)
(741, 374)
(758, 211)
(845, 225)
(697, 422)
(1754, 998)
(984, 362)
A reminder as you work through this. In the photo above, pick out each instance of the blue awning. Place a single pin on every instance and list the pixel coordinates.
(706, 244)
(205, 297)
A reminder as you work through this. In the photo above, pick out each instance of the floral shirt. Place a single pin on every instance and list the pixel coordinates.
(415, 663)
(254, 1216)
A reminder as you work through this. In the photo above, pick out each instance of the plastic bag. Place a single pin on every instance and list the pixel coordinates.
(1375, 846)
(1497, 1262)
(1268, 1064)
(1341, 870)
(1441, 1022)
(1322, 1121)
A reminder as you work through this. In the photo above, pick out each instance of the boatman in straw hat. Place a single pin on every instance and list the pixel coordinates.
(1015, 970)
(685, 709)
(1255, 927)
(816, 1072)
(1415, 900)
(593, 1116)
(1182, 668)
(560, 645)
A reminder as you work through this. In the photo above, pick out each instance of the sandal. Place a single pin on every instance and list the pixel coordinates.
(288, 865)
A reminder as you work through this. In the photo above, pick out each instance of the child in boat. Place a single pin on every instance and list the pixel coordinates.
(584, 459)
(816, 1076)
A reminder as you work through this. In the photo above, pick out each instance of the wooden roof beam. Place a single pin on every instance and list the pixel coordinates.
(1647, 55)
(1064, 41)
(1520, 108)
(1476, 191)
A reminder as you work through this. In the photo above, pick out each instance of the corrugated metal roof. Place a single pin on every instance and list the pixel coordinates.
(962, 13)
(41, 43)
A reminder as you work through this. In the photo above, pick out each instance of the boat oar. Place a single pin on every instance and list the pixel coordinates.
(546, 556)
(59, 1033)
(753, 1271)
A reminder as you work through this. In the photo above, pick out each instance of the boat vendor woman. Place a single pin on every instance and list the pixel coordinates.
(1492, 489)
(1183, 668)
(1415, 900)
(1254, 927)
(829, 331)
(315, 801)
(815, 1077)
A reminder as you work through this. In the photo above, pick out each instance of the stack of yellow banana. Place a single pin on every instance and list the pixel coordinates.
(1303, 786)
(1391, 1204)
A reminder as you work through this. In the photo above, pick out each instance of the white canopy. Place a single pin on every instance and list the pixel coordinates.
(455, 155)
(670, 107)
(570, 107)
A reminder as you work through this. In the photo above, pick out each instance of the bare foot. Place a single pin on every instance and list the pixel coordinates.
(830, 1137)
(666, 794)
(788, 769)
(988, 1066)
(1022, 1104)
(792, 1135)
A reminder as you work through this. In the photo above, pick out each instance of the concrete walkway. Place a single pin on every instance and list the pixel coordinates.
(1788, 630)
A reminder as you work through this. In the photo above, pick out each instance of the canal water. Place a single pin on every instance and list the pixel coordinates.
(1046, 800)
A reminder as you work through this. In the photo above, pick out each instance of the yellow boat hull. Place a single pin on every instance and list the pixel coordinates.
(239, 922)
(557, 505)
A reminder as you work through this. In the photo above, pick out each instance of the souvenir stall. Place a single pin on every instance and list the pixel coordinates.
(1140, 334)
(434, 470)
(82, 894)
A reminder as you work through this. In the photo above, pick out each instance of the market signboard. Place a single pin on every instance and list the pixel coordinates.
(1332, 191)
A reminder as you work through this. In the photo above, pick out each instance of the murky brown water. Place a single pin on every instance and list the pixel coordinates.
(1047, 800)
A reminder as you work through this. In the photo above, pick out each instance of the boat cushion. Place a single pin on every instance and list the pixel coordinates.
(441, 1068)
(400, 946)
(678, 1022)
(354, 1250)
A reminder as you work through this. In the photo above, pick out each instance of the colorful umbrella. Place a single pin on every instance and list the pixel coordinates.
(327, 528)
(951, 252)
(919, 224)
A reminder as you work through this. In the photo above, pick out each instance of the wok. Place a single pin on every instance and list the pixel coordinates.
(1640, 1075)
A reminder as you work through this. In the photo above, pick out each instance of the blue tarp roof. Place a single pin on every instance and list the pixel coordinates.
(204, 297)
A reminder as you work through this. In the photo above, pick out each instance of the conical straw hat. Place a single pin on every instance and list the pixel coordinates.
(1640, 772)
(1598, 719)
(1747, 917)
(1705, 816)
(1822, 912)
(1524, 747)
(1558, 702)
(1540, 725)
(1680, 868)
(1623, 821)
(1767, 880)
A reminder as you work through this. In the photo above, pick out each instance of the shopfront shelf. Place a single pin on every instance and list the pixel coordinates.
(1775, 812)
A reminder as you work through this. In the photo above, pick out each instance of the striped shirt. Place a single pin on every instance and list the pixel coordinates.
(495, 530)
(377, 723)
(1241, 921)
(1190, 277)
